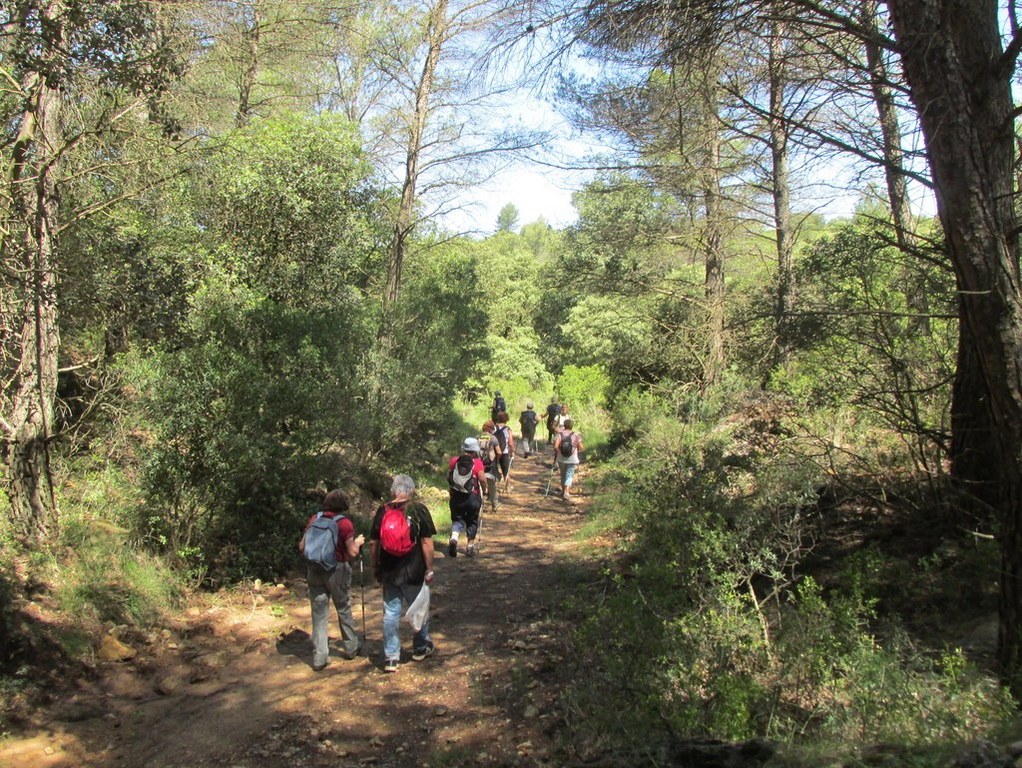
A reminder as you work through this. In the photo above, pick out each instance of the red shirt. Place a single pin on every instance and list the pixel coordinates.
(345, 531)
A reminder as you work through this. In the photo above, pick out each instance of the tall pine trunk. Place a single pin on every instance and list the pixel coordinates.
(30, 391)
(960, 81)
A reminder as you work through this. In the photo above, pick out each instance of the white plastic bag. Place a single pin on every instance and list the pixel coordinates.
(418, 611)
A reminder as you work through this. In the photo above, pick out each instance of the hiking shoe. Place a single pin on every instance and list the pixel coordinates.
(390, 665)
(424, 652)
(349, 655)
(319, 667)
(452, 548)
(471, 550)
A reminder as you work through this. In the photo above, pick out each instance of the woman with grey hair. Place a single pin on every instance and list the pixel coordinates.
(401, 548)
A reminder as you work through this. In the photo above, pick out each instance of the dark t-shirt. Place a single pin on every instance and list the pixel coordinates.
(528, 420)
(410, 569)
(552, 412)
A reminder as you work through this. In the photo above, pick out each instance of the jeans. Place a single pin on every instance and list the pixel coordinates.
(567, 475)
(324, 588)
(394, 598)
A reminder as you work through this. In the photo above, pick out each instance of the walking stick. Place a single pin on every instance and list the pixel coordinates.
(507, 475)
(362, 580)
(553, 468)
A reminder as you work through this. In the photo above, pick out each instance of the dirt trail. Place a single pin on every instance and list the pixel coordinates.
(230, 683)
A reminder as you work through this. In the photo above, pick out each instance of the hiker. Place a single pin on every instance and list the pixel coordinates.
(506, 440)
(490, 455)
(466, 476)
(499, 405)
(331, 533)
(528, 422)
(553, 414)
(566, 456)
(401, 548)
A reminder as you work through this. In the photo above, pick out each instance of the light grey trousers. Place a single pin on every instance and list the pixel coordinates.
(325, 588)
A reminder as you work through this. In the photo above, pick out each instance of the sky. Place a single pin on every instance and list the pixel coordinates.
(544, 191)
(536, 191)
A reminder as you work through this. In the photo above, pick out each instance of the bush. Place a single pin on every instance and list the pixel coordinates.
(715, 630)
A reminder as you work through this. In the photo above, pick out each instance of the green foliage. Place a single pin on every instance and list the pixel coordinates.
(289, 205)
(585, 388)
(715, 630)
(105, 581)
(437, 343)
(241, 415)
(868, 345)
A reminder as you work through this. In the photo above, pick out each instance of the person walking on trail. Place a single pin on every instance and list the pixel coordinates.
(467, 479)
(490, 455)
(566, 456)
(329, 544)
(506, 439)
(528, 421)
(499, 405)
(401, 548)
(553, 415)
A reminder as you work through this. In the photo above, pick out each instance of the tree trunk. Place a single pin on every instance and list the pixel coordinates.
(781, 197)
(961, 86)
(251, 37)
(30, 392)
(897, 188)
(713, 243)
(404, 222)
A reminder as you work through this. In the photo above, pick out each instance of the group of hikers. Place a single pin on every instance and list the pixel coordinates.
(402, 531)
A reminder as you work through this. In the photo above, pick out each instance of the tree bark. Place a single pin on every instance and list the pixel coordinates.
(31, 384)
(961, 86)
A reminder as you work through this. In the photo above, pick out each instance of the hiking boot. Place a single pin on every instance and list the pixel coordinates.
(452, 548)
(471, 550)
(424, 652)
(390, 665)
(349, 655)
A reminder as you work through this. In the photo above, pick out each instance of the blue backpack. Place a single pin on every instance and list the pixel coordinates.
(321, 542)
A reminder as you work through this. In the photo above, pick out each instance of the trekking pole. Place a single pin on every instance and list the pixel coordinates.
(362, 580)
(553, 468)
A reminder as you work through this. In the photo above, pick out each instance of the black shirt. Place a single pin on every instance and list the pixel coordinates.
(411, 568)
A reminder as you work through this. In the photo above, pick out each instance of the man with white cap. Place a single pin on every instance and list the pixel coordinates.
(467, 478)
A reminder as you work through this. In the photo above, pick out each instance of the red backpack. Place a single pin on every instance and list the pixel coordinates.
(395, 532)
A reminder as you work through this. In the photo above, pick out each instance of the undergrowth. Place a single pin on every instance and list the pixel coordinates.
(721, 620)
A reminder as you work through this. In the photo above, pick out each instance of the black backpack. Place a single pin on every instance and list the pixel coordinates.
(501, 435)
(567, 444)
(499, 406)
